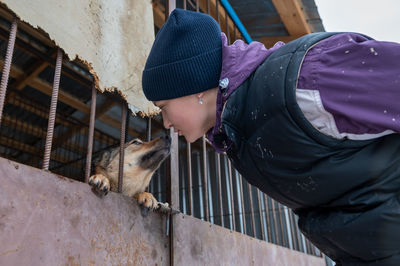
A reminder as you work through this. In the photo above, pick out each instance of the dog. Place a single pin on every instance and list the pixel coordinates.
(141, 160)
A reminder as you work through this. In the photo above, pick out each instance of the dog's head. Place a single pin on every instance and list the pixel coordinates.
(147, 155)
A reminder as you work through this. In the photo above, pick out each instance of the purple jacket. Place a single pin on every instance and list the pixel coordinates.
(347, 86)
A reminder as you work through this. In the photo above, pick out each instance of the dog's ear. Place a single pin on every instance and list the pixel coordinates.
(101, 159)
(105, 157)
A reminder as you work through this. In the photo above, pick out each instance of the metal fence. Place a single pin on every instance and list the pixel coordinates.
(81, 123)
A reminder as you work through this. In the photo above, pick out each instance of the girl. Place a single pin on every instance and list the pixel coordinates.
(311, 123)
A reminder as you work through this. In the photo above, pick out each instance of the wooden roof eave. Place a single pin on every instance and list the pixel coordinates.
(292, 15)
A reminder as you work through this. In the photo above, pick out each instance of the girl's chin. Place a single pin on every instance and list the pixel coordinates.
(191, 139)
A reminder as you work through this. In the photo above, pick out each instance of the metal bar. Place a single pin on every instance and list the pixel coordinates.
(174, 171)
(197, 6)
(266, 216)
(189, 178)
(7, 65)
(253, 223)
(296, 238)
(171, 7)
(288, 227)
(219, 188)
(281, 225)
(229, 9)
(260, 213)
(231, 192)
(211, 212)
(227, 28)
(191, 4)
(263, 219)
(200, 187)
(148, 138)
(309, 247)
(159, 188)
(274, 219)
(217, 8)
(303, 239)
(242, 203)
(205, 181)
(182, 185)
(312, 249)
(148, 129)
(91, 133)
(239, 202)
(184, 4)
(173, 185)
(208, 6)
(122, 146)
(53, 107)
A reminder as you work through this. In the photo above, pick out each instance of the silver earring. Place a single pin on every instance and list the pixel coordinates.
(200, 101)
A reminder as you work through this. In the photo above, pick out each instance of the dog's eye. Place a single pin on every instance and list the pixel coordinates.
(137, 142)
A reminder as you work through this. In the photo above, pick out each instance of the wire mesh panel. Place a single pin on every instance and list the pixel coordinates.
(273, 222)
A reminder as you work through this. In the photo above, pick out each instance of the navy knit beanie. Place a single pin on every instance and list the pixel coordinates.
(186, 57)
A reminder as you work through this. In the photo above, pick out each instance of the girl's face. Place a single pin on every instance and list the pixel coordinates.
(187, 116)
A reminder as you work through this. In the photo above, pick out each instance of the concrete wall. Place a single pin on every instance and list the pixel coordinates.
(47, 219)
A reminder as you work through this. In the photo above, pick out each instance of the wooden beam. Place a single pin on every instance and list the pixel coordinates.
(15, 144)
(23, 81)
(16, 100)
(292, 15)
(46, 88)
(271, 41)
(100, 111)
(33, 70)
(38, 132)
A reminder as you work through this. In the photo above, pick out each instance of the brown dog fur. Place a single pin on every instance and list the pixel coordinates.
(141, 160)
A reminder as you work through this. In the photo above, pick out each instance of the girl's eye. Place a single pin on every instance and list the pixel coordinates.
(137, 142)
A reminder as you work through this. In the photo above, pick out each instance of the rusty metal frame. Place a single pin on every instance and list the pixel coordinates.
(91, 133)
(124, 111)
(7, 64)
(205, 179)
(189, 178)
(53, 107)
(231, 194)
(219, 188)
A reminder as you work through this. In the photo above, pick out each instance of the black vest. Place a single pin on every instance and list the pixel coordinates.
(337, 187)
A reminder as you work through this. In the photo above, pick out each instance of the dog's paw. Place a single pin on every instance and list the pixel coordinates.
(147, 200)
(100, 183)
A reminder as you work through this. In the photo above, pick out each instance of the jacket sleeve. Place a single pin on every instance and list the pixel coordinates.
(349, 87)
